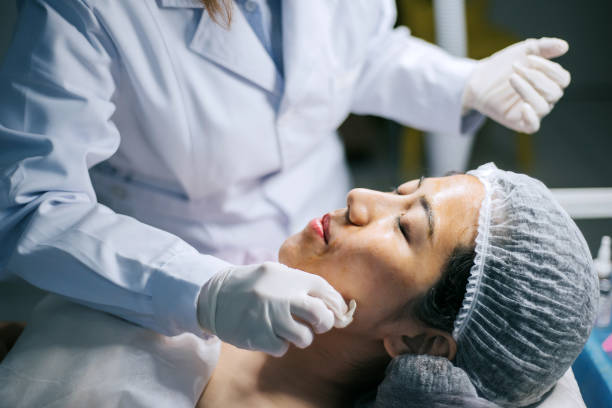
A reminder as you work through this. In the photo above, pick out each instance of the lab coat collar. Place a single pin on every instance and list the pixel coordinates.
(237, 49)
(181, 3)
(240, 51)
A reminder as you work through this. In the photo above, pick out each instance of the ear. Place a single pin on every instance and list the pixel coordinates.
(430, 341)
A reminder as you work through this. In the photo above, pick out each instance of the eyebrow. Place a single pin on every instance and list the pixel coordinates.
(429, 212)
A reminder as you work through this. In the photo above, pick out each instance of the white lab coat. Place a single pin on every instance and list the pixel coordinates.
(205, 154)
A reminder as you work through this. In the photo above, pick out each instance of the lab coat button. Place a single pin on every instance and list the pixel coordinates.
(250, 6)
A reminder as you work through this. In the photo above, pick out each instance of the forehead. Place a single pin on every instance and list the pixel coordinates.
(457, 200)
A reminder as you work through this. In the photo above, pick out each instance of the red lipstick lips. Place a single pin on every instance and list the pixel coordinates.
(317, 227)
(325, 222)
(321, 227)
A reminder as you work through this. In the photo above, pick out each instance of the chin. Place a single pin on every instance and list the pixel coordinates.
(289, 251)
(297, 252)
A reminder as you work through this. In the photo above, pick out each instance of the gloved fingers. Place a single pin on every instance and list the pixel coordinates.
(506, 99)
(547, 47)
(530, 95)
(543, 84)
(314, 312)
(278, 348)
(264, 338)
(326, 292)
(344, 320)
(531, 121)
(551, 69)
(515, 113)
(295, 332)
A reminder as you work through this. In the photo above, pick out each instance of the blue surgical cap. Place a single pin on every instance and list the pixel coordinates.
(531, 295)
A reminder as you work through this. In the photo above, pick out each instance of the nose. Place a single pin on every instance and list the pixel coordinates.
(364, 206)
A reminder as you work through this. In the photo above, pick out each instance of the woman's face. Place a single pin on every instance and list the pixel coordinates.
(386, 249)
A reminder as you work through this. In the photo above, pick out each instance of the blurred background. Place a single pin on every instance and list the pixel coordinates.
(572, 149)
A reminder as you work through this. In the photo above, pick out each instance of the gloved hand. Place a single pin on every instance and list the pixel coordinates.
(518, 85)
(253, 307)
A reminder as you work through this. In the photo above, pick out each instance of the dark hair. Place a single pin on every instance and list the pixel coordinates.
(439, 307)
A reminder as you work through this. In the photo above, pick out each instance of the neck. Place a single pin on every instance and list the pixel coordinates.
(329, 373)
(328, 370)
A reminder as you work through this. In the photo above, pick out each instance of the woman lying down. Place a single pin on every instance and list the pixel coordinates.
(484, 270)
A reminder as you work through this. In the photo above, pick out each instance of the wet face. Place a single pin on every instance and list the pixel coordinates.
(386, 249)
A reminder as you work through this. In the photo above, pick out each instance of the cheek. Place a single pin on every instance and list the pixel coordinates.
(371, 267)
(372, 277)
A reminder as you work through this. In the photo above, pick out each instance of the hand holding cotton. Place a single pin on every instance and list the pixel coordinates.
(343, 320)
(254, 307)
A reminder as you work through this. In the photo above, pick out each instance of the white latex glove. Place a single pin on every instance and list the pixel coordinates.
(254, 307)
(518, 85)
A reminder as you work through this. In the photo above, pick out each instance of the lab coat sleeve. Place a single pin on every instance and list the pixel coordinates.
(412, 81)
(56, 85)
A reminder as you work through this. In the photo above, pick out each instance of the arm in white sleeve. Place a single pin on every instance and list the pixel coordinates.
(413, 82)
(56, 85)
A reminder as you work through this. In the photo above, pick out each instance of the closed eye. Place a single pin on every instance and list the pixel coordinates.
(403, 228)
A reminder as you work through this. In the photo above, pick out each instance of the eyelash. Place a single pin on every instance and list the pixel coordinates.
(405, 231)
